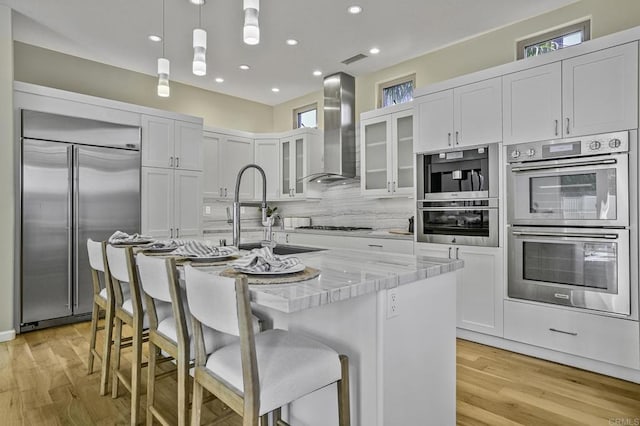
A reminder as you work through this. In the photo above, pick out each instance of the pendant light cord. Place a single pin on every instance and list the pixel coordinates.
(163, 29)
(200, 16)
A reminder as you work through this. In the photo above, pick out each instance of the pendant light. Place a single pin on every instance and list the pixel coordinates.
(199, 47)
(251, 30)
(163, 67)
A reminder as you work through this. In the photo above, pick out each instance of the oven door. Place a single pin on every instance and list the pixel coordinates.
(572, 192)
(466, 222)
(584, 268)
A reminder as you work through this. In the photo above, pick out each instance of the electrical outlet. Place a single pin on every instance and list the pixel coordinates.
(393, 307)
(207, 210)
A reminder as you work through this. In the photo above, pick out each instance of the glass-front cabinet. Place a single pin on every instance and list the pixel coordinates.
(300, 156)
(387, 151)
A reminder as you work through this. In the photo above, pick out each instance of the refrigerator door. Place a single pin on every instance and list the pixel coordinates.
(107, 199)
(46, 230)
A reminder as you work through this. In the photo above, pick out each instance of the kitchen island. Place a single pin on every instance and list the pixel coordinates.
(393, 315)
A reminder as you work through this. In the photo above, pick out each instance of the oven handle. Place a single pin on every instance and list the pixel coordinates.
(449, 209)
(564, 165)
(564, 234)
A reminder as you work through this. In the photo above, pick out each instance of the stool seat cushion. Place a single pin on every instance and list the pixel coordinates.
(290, 366)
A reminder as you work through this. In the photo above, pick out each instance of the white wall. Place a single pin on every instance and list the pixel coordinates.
(6, 175)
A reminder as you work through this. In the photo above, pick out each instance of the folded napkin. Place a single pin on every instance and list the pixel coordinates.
(263, 260)
(200, 249)
(165, 244)
(120, 237)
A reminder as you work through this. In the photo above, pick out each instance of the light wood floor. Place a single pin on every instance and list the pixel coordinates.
(44, 381)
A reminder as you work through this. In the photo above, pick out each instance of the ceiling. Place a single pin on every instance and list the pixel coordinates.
(115, 32)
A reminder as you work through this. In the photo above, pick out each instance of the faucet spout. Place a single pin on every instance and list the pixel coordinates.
(237, 204)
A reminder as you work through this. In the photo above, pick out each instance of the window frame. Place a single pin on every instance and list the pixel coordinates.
(395, 82)
(584, 25)
(302, 110)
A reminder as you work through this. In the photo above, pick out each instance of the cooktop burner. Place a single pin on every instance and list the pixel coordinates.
(336, 228)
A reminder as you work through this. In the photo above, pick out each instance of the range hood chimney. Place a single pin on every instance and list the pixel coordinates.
(339, 129)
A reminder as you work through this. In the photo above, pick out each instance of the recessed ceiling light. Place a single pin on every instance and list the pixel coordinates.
(374, 50)
(219, 80)
(317, 73)
(244, 67)
(354, 10)
(155, 38)
(275, 89)
(198, 2)
(292, 42)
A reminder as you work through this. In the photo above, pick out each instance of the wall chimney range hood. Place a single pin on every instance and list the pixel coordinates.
(339, 130)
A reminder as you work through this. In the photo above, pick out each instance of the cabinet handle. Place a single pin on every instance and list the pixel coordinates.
(286, 238)
(170, 161)
(177, 161)
(389, 186)
(220, 191)
(457, 252)
(376, 245)
(457, 137)
(225, 192)
(568, 125)
(449, 252)
(570, 333)
(170, 232)
(177, 232)
(556, 128)
(449, 138)
(393, 186)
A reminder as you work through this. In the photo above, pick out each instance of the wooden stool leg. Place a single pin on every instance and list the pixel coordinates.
(344, 409)
(196, 406)
(183, 390)
(95, 314)
(151, 380)
(116, 361)
(136, 367)
(106, 351)
(264, 420)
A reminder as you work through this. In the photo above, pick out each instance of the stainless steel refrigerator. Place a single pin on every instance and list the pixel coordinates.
(79, 179)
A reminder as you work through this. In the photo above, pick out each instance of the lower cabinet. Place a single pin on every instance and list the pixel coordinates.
(608, 339)
(480, 285)
(346, 242)
(171, 203)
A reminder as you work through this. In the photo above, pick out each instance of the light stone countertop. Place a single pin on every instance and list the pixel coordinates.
(346, 274)
(380, 233)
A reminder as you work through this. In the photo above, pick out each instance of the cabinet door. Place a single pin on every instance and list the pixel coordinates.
(286, 157)
(212, 184)
(267, 156)
(299, 166)
(188, 146)
(434, 122)
(600, 91)
(187, 203)
(157, 141)
(402, 153)
(157, 202)
(236, 153)
(532, 104)
(480, 290)
(477, 113)
(376, 158)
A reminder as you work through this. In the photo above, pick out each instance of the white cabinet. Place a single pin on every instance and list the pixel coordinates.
(224, 156)
(341, 241)
(301, 154)
(480, 285)
(267, 156)
(464, 116)
(587, 94)
(386, 152)
(171, 202)
(171, 143)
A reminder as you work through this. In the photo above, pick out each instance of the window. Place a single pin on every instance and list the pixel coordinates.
(553, 40)
(306, 116)
(396, 91)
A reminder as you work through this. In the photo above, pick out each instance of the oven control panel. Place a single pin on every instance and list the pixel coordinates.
(570, 147)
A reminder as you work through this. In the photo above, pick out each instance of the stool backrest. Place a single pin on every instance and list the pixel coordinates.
(98, 263)
(122, 270)
(96, 255)
(155, 276)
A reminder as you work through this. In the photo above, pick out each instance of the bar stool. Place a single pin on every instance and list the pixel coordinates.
(261, 372)
(130, 311)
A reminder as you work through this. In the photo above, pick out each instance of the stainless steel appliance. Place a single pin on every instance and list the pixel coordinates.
(459, 191)
(570, 182)
(572, 214)
(79, 179)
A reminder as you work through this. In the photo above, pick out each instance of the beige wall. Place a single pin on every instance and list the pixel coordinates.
(283, 113)
(488, 50)
(6, 171)
(53, 69)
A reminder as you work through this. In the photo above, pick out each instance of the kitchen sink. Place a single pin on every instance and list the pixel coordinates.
(281, 249)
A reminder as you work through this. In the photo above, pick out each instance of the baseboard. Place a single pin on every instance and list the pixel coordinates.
(5, 336)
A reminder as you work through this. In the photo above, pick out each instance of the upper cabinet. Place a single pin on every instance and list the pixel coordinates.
(464, 116)
(224, 156)
(301, 155)
(171, 143)
(267, 156)
(587, 94)
(386, 151)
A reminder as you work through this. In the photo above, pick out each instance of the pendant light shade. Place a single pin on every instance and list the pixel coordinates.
(163, 77)
(251, 29)
(199, 52)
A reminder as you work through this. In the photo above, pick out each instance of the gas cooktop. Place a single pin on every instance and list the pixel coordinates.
(335, 228)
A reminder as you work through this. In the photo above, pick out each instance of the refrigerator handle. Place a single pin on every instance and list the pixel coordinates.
(76, 218)
(70, 213)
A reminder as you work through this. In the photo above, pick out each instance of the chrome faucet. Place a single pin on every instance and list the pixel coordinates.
(237, 204)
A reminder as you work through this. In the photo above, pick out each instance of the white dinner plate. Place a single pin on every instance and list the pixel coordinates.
(297, 268)
(132, 243)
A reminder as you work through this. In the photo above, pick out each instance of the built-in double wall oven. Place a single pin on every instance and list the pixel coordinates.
(458, 196)
(570, 211)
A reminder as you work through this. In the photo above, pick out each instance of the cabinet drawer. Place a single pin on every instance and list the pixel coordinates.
(612, 340)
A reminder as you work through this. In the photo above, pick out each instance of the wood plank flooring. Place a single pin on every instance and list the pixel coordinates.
(44, 381)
